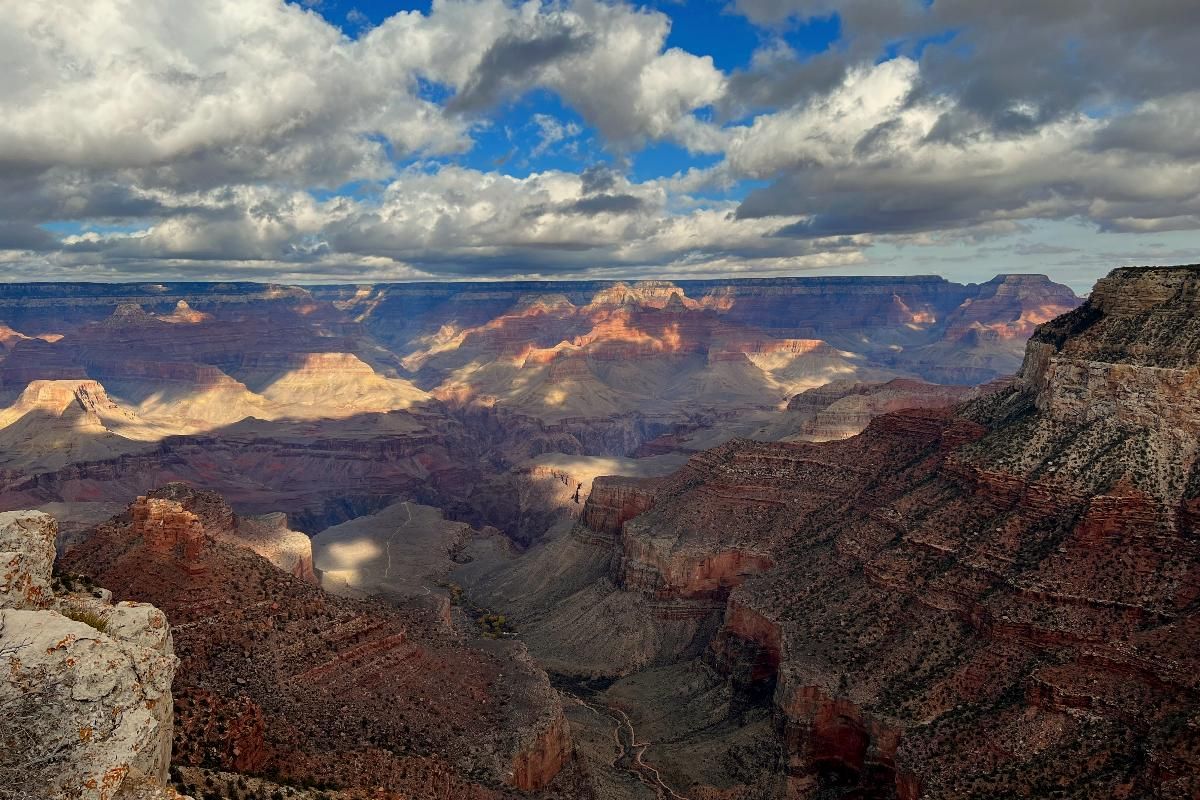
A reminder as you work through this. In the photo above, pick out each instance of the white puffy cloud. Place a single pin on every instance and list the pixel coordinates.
(246, 90)
(458, 222)
(869, 157)
(198, 138)
(228, 90)
(606, 60)
(206, 126)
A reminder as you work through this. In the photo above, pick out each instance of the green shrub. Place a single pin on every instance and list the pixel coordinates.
(87, 618)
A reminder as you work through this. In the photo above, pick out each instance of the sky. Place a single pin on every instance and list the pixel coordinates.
(366, 140)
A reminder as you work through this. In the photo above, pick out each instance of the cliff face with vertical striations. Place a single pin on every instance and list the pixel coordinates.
(614, 501)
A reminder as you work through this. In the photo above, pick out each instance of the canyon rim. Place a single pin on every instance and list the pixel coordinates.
(599, 400)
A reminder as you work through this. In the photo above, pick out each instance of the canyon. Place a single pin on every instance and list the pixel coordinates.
(330, 402)
(781, 538)
(992, 599)
(281, 679)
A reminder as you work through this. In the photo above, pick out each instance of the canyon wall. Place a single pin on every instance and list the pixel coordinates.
(280, 678)
(990, 600)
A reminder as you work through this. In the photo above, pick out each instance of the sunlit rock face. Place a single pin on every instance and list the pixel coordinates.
(328, 403)
(665, 346)
(85, 684)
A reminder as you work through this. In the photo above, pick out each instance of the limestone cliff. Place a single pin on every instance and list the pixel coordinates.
(86, 710)
(1127, 354)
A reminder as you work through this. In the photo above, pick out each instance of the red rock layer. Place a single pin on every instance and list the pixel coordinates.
(924, 621)
(280, 678)
(998, 601)
(536, 766)
(614, 501)
(830, 740)
(168, 529)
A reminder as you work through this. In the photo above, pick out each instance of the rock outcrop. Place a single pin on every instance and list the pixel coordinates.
(269, 536)
(57, 422)
(842, 409)
(280, 677)
(991, 600)
(266, 534)
(86, 710)
(615, 500)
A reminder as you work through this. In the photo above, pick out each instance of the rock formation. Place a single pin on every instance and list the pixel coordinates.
(495, 405)
(266, 534)
(118, 389)
(281, 679)
(269, 536)
(86, 710)
(57, 422)
(842, 409)
(991, 600)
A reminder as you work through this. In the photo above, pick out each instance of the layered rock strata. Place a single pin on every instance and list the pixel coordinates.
(280, 678)
(994, 600)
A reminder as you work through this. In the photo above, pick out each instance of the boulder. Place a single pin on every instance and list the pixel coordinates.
(26, 558)
(85, 686)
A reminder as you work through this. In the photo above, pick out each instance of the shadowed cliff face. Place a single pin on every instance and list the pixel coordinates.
(994, 600)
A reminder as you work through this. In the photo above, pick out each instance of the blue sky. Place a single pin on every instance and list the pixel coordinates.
(509, 142)
(338, 140)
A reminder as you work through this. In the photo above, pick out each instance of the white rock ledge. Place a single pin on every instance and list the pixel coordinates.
(86, 711)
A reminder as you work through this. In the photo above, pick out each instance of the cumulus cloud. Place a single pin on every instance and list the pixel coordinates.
(253, 138)
(244, 90)
(606, 60)
(212, 122)
(227, 91)
(1018, 64)
(458, 222)
(870, 156)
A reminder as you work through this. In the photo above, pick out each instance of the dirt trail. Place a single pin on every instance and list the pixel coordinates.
(387, 546)
(630, 753)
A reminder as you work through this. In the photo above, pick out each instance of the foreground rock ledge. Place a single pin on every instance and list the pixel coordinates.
(85, 685)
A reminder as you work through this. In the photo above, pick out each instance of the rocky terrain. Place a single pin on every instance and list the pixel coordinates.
(668, 348)
(86, 709)
(279, 679)
(376, 530)
(993, 600)
(361, 397)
